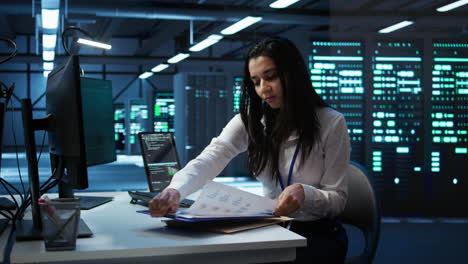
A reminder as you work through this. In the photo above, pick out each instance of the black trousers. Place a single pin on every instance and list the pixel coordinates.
(327, 242)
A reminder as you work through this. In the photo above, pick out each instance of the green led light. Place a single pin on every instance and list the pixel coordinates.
(157, 110)
(461, 150)
(377, 168)
(398, 58)
(417, 168)
(378, 92)
(452, 59)
(402, 149)
(338, 58)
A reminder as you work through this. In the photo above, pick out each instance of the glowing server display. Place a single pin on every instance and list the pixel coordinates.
(449, 120)
(236, 94)
(337, 75)
(119, 126)
(164, 112)
(397, 117)
(138, 119)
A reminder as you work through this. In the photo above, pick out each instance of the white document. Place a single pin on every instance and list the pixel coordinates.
(219, 200)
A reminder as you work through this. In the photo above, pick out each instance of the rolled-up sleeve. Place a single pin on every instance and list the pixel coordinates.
(329, 198)
(213, 159)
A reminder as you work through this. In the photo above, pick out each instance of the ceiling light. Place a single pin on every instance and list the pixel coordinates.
(50, 18)
(145, 75)
(282, 3)
(94, 43)
(48, 55)
(178, 57)
(212, 39)
(160, 67)
(240, 25)
(45, 73)
(451, 6)
(395, 27)
(48, 41)
(48, 66)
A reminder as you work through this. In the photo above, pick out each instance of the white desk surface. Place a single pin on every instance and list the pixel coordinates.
(123, 236)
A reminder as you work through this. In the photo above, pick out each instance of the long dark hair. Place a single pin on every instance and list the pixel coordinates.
(297, 113)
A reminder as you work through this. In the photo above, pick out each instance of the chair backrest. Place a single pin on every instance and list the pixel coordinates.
(362, 210)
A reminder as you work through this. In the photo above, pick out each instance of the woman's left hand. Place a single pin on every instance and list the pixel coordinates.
(290, 200)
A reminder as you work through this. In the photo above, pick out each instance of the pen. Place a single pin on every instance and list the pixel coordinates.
(50, 210)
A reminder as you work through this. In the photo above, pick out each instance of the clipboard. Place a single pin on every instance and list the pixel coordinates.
(225, 225)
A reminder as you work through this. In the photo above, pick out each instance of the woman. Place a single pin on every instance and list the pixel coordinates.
(298, 147)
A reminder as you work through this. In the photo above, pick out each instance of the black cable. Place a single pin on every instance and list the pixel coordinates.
(13, 54)
(9, 94)
(16, 150)
(8, 185)
(42, 146)
(64, 44)
(9, 245)
(8, 215)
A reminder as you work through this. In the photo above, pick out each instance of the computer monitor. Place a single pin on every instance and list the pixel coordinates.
(81, 134)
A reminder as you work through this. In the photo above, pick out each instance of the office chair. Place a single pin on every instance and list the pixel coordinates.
(362, 211)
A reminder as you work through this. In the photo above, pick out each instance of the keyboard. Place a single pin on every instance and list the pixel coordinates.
(145, 197)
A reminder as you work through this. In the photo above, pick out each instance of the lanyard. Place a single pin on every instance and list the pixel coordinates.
(291, 167)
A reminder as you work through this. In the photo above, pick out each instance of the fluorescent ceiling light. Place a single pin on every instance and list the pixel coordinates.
(210, 40)
(145, 75)
(50, 18)
(46, 73)
(48, 66)
(160, 67)
(240, 25)
(48, 41)
(282, 3)
(48, 55)
(395, 27)
(94, 43)
(451, 6)
(178, 57)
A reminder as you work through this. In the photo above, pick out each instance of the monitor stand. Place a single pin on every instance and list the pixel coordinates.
(32, 229)
(89, 202)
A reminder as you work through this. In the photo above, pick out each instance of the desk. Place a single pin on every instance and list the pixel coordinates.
(123, 236)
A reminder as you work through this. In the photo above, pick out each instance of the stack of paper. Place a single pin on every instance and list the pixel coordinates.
(224, 209)
(221, 201)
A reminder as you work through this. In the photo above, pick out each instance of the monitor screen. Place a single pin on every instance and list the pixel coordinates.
(160, 158)
(82, 131)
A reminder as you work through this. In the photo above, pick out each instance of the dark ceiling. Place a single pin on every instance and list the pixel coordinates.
(155, 22)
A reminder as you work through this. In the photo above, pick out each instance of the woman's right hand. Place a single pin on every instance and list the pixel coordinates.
(164, 203)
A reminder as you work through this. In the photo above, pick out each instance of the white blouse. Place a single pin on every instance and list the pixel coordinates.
(322, 175)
